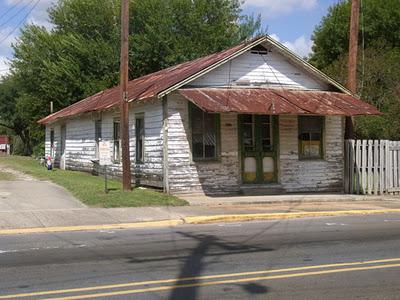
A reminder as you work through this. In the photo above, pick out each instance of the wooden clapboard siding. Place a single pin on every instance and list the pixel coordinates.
(57, 142)
(223, 176)
(311, 175)
(378, 161)
(265, 70)
(187, 176)
(80, 142)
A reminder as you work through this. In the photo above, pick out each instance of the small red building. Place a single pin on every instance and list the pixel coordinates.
(4, 145)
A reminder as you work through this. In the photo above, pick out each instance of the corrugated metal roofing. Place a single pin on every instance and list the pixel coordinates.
(277, 101)
(149, 85)
(4, 139)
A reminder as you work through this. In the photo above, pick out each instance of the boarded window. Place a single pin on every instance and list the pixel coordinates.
(310, 137)
(117, 141)
(204, 134)
(139, 134)
(97, 135)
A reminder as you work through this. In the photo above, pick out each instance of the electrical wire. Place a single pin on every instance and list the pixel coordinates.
(17, 13)
(20, 23)
(10, 8)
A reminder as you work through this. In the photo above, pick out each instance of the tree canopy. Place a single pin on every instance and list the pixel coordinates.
(79, 56)
(378, 69)
(378, 20)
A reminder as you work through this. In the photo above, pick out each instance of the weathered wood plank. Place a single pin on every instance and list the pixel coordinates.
(357, 167)
(395, 167)
(351, 165)
(391, 167)
(387, 165)
(364, 182)
(370, 160)
(381, 166)
(376, 166)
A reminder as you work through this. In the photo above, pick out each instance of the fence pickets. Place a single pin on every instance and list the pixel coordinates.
(372, 167)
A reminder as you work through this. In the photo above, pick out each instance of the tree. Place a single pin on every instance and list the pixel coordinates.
(10, 118)
(80, 55)
(378, 64)
(380, 20)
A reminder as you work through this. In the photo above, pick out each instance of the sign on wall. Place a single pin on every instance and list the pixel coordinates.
(104, 153)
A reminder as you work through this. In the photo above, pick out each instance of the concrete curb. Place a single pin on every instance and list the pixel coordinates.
(198, 220)
(275, 216)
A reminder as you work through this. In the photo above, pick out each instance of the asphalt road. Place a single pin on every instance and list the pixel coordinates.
(353, 257)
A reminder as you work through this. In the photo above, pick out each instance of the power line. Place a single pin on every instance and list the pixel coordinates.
(11, 8)
(20, 23)
(17, 13)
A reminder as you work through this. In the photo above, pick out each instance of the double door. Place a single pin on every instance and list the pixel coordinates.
(258, 142)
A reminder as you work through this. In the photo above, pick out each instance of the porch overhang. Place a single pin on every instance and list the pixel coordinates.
(277, 101)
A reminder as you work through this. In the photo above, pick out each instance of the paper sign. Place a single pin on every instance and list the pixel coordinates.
(104, 153)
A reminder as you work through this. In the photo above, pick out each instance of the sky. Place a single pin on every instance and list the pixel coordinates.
(291, 22)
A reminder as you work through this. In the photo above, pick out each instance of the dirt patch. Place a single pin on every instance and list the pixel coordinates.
(16, 175)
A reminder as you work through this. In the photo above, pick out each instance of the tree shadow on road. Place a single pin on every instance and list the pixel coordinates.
(186, 287)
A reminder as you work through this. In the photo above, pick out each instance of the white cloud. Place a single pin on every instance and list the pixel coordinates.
(39, 14)
(301, 46)
(4, 67)
(273, 8)
(10, 37)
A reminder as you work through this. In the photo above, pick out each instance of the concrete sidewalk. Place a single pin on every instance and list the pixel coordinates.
(204, 200)
(101, 216)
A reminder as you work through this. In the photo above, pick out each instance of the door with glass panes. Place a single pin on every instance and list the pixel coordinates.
(258, 140)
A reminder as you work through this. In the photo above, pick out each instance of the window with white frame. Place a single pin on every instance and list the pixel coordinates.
(139, 135)
(97, 136)
(117, 140)
(52, 150)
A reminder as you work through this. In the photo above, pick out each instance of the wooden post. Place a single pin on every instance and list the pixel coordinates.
(126, 162)
(352, 67)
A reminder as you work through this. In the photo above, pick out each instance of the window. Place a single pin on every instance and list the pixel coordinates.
(97, 135)
(310, 137)
(266, 133)
(204, 134)
(52, 143)
(139, 134)
(117, 141)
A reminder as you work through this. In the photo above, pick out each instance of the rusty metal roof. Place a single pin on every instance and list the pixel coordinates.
(4, 139)
(150, 85)
(277, 101)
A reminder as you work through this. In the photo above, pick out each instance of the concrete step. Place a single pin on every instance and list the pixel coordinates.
(262, 189)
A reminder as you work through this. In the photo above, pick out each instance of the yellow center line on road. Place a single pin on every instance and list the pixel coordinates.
(229, 281)
(205, 277)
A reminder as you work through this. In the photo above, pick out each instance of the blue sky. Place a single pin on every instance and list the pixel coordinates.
(289, 21)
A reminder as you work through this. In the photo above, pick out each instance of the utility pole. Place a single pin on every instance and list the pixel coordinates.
(126, 161)
(352, 67)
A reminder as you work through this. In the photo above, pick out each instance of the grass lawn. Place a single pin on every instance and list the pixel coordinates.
(90, 189)
(6, 176)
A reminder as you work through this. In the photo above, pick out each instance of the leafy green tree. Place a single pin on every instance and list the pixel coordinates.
(379, 84)
(80, 55)
(379, 19)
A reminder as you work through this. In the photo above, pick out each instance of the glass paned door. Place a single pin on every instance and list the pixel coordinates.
(258, 140)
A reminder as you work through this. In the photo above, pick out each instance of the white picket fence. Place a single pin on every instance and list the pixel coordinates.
(372, 167)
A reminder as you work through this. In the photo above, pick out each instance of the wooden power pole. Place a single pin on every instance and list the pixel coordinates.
(352, 67)
(126, 161)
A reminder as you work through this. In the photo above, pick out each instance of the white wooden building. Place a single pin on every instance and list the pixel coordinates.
(253, 118)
